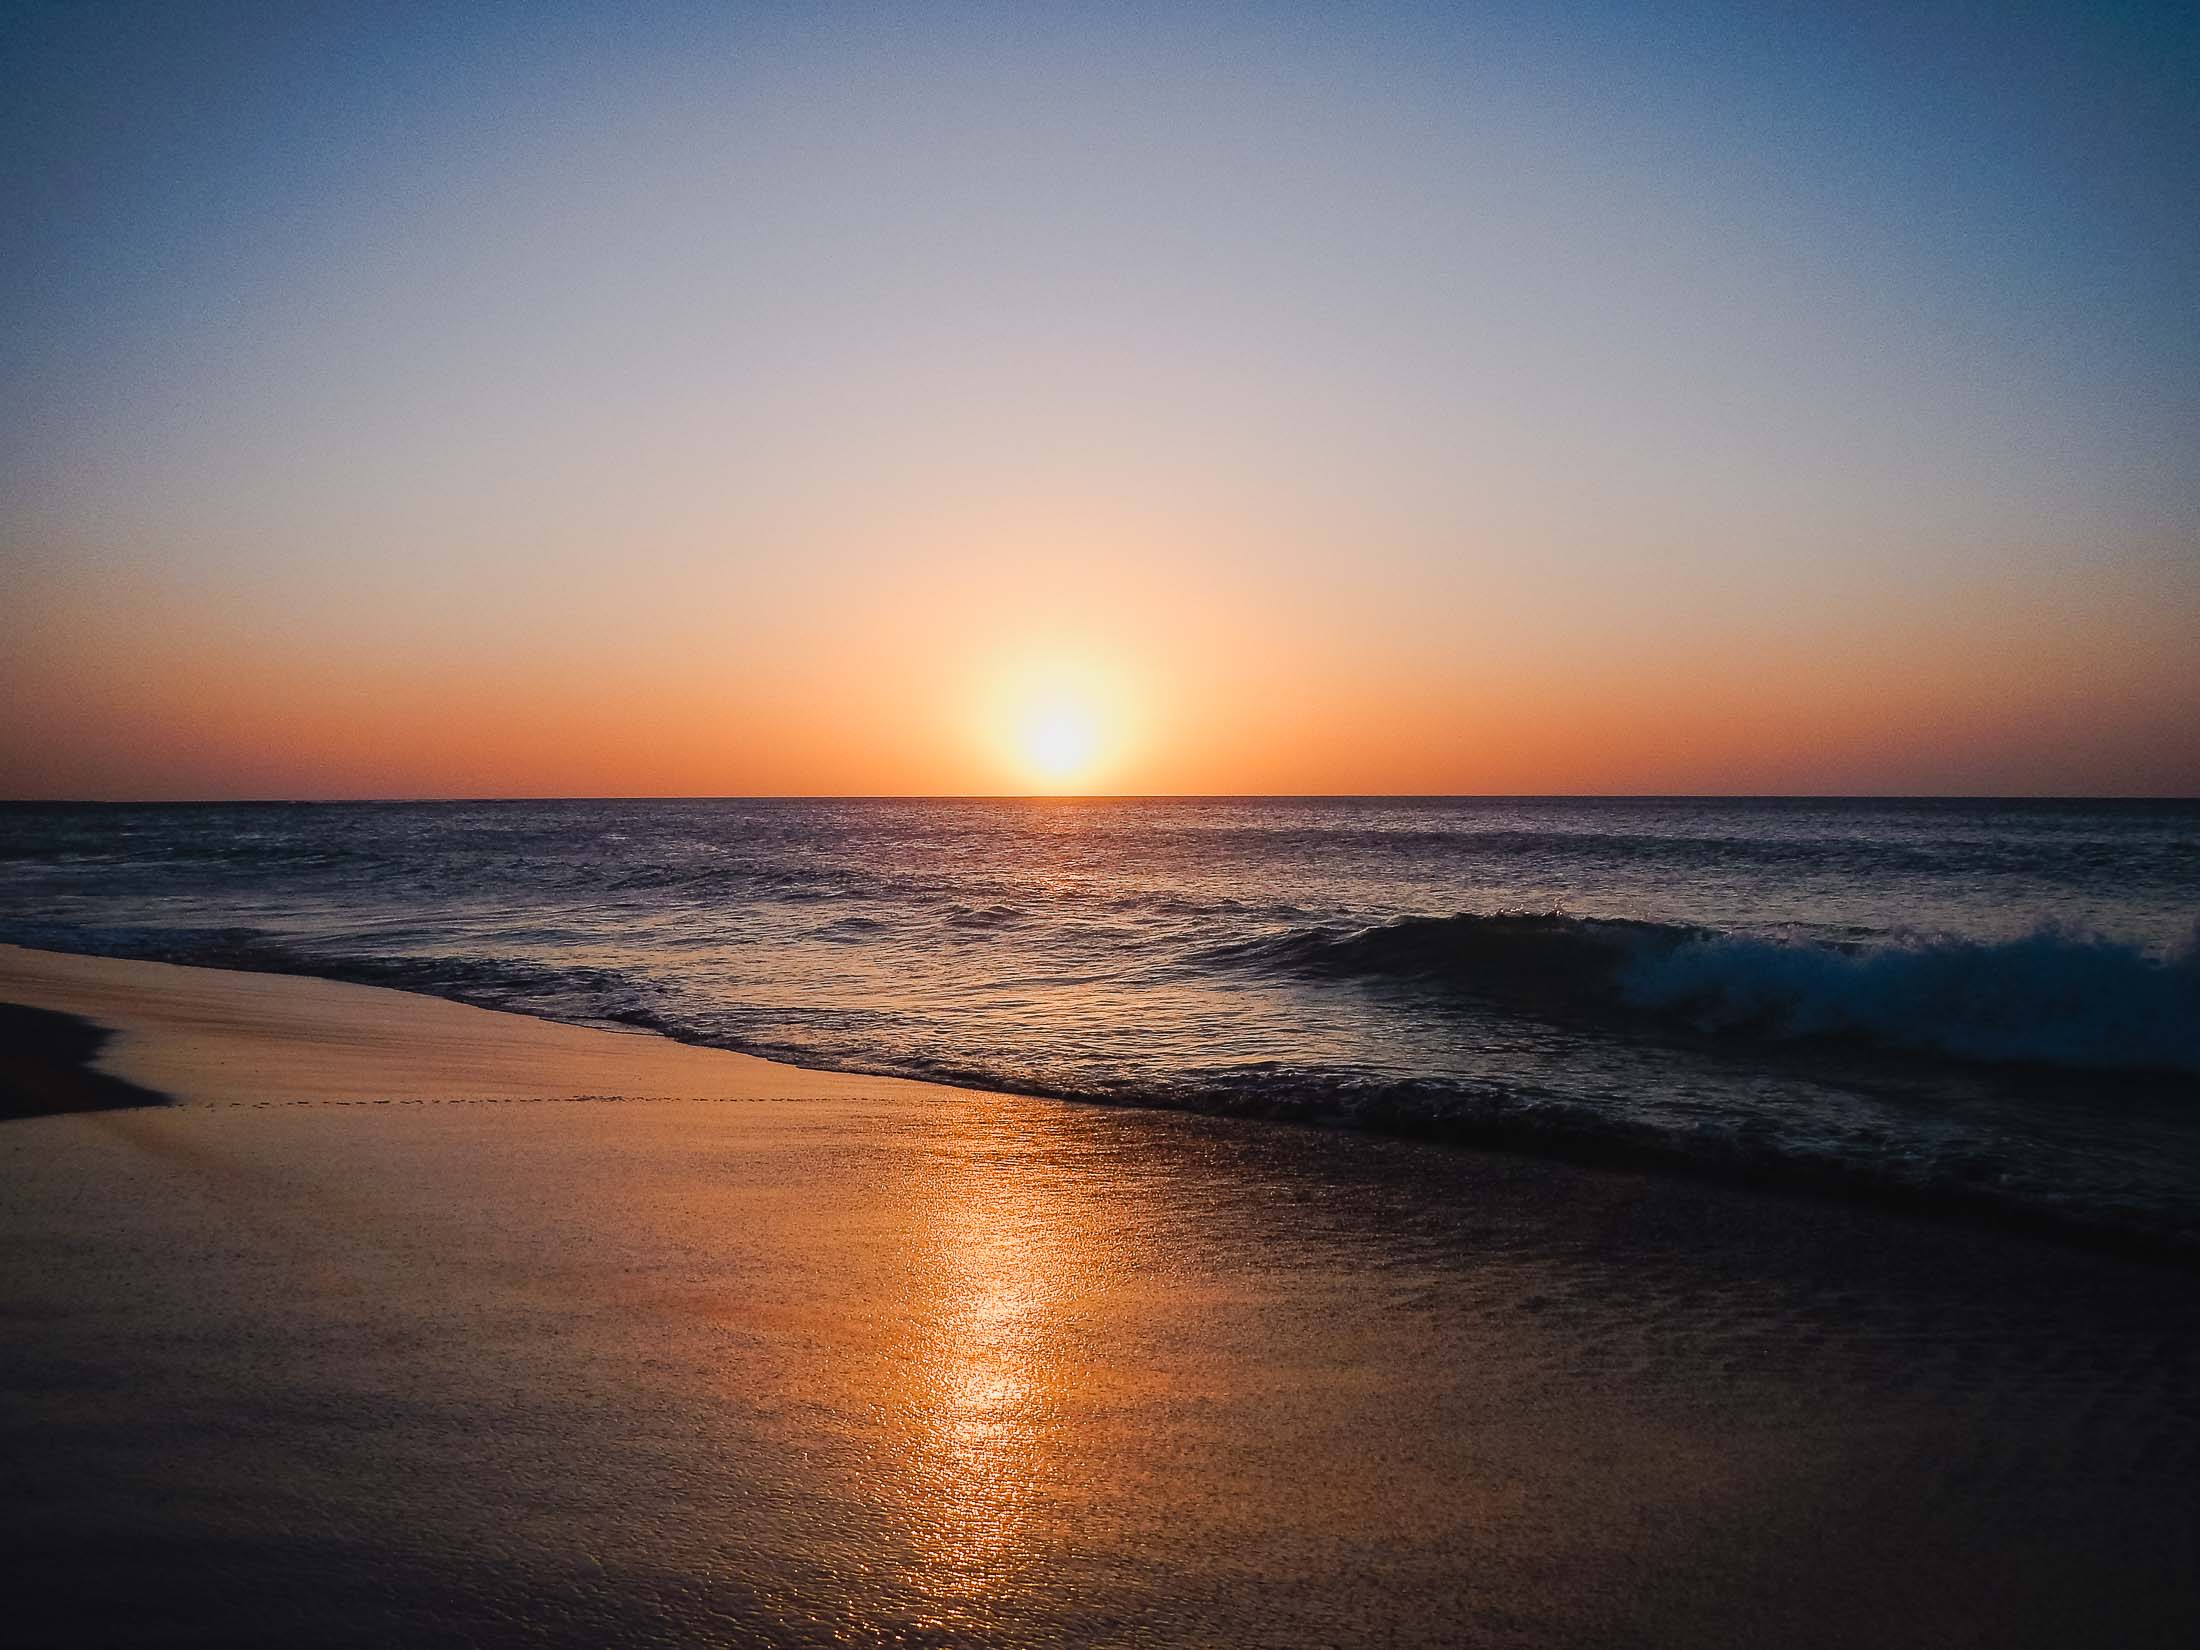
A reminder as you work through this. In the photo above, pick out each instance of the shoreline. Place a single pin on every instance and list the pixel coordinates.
(351, 1344)
(1781, 1177)
(196, 1035)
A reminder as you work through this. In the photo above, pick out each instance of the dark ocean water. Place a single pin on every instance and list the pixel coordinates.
(1981, 1003)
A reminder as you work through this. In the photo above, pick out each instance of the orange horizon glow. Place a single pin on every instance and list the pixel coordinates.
(1158, 702)
(1125, 676)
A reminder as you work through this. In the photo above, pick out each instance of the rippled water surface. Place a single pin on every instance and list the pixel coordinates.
(1994, 1002)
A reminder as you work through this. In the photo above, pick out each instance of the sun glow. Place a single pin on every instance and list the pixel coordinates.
(1060, 721)
(1059, 740)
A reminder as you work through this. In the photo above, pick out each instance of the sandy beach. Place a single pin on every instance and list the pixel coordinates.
(1438, 764)
(403, 1321)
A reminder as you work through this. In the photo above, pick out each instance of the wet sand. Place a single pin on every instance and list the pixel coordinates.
(409, 1322)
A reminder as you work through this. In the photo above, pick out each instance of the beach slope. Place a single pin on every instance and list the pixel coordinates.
(412, 1322)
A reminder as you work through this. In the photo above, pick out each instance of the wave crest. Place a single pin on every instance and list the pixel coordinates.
(2050, 997)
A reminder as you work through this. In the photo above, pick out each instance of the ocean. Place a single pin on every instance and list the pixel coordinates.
(1985, 1005)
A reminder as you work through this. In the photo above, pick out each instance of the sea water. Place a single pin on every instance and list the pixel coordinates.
(1993, 1004)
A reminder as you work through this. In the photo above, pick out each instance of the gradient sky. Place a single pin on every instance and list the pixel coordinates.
(669, 399)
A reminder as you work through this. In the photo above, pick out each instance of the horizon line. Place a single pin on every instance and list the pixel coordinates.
(430, 799)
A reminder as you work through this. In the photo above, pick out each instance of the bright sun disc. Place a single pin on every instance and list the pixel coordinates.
(1059, 741)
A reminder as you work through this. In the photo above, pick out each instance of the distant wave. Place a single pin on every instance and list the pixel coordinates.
(2049, 997)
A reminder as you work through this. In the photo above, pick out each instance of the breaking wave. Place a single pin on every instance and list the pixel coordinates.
(2049, 997)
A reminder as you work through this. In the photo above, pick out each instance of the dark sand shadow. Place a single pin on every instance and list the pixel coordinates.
(46, 1066)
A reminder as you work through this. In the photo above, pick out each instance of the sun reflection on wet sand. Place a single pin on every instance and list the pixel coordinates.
(977, 1408)
(990, 1346)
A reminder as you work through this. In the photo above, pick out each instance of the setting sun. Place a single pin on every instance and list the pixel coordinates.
(1062, 714)
(1059, 740)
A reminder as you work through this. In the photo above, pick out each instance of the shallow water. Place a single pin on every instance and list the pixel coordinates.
(1991, 1003)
